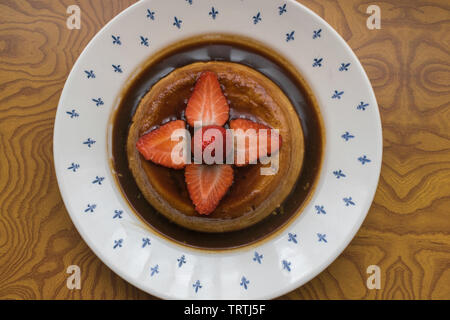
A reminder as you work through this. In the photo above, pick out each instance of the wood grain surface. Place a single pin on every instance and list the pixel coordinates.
(406, 233)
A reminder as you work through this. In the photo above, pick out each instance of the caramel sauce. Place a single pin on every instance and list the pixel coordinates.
(218, 48)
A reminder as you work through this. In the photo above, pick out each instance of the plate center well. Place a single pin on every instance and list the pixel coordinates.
(253, 55)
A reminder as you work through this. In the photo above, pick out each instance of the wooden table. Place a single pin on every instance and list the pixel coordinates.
(406, 233)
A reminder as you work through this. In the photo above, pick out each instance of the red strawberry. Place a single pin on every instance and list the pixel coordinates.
(206, 136)
(207, 103)
(251, 150)
(157, 145)
(207, 185)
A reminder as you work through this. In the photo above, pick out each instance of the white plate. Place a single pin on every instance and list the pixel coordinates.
(349, 177)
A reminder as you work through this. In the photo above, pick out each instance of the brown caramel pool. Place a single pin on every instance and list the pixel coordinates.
(259, 84)
(252, 196)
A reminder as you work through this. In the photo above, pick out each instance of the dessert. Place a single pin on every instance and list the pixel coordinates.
(218, 94)
(260, 87)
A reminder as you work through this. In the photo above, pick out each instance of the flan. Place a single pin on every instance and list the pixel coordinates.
(252, 196)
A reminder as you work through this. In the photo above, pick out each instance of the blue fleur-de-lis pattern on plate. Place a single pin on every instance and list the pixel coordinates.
(320, 209)
(90, 208)
(258, 257)
(286, 265)
(146, 242)
(181, 260)
(344, 67)
(150, 14)
(74, 167)
(317, 62)
(117, 214)
(144, 41)
(290, 36)
(90, 74)
(73, 114)
(98, 180)
(348, 201)
(118, 243)
(339, 174)
(116, 40)
(337, 94)
(117, 68)
(98, 102)
(213, 13)
(89, 142)
(362, 106)
(363, 159)
(347, 136)
(317, 34)
(292, 237)
(154, 270)
(244, 283)
(322, 237)
(257, 18)
(177, 22)
(197, 286)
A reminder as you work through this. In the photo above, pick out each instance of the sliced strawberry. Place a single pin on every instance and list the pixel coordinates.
(157, 145)
(206, 136)
(252, 151)
(207, 185)
(207, 103)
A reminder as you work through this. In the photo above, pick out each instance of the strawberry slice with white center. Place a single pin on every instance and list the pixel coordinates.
(207, 103)
(252, 149)
(207, 185)
(157, 145)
